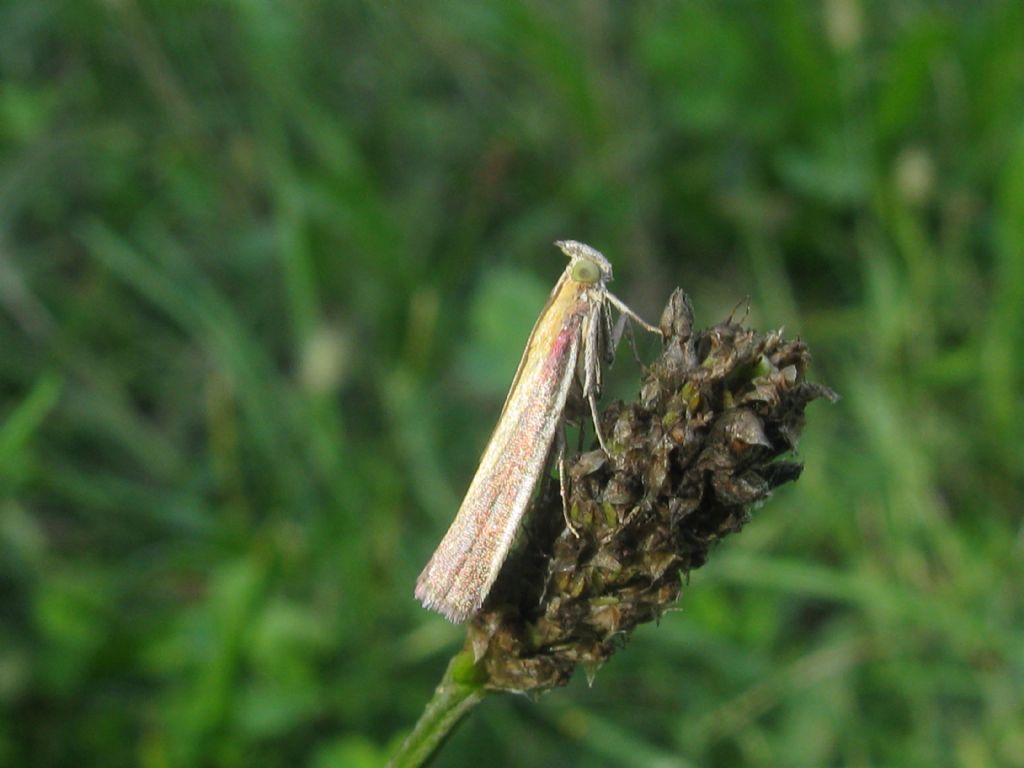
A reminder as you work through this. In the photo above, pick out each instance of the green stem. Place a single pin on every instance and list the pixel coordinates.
(461, 689)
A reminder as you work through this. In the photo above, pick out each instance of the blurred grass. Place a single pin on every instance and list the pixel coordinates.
(266, 270)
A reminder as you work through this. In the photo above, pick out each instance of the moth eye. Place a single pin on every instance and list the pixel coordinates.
(584, 271)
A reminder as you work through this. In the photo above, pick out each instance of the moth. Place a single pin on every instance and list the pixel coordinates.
(570, 340)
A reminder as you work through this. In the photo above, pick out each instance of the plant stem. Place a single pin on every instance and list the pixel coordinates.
(461, 689)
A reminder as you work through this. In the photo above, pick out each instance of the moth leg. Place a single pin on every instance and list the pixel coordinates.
(562, 487)
(615, 332)
(592, 376)
(609, 335)
(624, 326)
(592, 399)
(619, 305)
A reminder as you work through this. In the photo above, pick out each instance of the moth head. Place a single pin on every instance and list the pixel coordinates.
(586, 264)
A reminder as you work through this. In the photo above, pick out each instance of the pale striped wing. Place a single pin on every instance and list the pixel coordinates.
(464, 566)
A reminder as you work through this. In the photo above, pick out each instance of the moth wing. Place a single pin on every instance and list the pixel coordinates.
(461, 571)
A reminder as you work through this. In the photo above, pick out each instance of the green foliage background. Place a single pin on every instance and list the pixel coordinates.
(266, 269)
